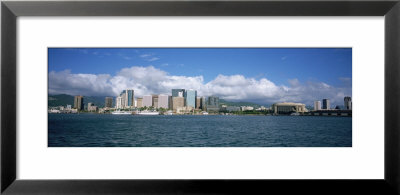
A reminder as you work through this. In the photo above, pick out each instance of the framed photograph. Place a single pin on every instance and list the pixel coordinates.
(199, 97)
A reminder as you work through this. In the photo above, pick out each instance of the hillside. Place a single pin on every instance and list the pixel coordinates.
(63, 100)
(228, 103)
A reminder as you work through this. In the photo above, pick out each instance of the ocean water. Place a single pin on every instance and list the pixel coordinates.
(106, 130)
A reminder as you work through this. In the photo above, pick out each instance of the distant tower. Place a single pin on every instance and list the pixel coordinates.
(147, 101)
(326, 105)
(317, 105)
(191, 96)
(347, 103)
(108, 103)
(178, 92)
(78, 102)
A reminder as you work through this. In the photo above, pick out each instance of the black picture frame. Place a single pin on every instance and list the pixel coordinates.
(11, 10)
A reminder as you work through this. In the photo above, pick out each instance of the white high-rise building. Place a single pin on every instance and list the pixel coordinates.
(317, 105)
(147, 101)
(118, 103)
(164, 101)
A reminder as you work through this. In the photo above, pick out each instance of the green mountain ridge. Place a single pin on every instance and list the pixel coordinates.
(64, 100)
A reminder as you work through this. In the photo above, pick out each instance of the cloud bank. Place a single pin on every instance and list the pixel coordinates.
(150, 80)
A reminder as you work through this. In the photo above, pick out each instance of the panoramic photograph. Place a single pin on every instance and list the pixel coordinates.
(199, 97)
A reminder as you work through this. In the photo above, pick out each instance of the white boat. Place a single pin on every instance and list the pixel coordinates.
(121, 112)
(148, 113)
(205, 113)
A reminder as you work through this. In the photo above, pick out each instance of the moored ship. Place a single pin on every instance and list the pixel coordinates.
(121, 112)
(148, 113)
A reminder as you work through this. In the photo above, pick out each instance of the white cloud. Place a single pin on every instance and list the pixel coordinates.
(150, 80)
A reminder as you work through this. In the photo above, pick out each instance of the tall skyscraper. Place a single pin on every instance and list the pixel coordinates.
(122, 95)
(199, 103)
(139, 102)
(317, 105)
(108, 103)
(147, 100)
(178, 92)
(204, 103)
(178, 102)
(347, 103)
(326, 105)
(118, 102)
(129, 98)
(164, 101)
(212, 104)
(191, 96)
(78, 102)
(155, 101)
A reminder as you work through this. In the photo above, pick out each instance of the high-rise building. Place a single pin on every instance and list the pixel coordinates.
(139, 103)
(147, 101)
(78, 102)
(164, 101)
(118, 102)
(199, 103)
(108, 103)
(191, 96)
(204, 103)
(347, 103)
(326, 105)
(213, 104)
(178, 92)
(178, 102)
(155, 101)
(317, 105)
(129, 98)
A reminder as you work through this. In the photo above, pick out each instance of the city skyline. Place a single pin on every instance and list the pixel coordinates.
(233, 82)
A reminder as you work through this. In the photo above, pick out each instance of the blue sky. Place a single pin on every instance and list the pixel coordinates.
(281, 66)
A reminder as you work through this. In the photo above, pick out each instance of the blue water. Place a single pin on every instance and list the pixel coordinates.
(106, 130)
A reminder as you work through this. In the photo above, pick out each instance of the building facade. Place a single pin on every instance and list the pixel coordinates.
(190, 96)
(155, 101)
(78, 102)
(177, 102)
(326, 105)
(347, 103)
(199, 102)
(317, 105)
(212, 104)
(118, 102)
(147, 101)
(164, 101)
(139, 102)
(178, 92)
(108, 102)
(288, 108)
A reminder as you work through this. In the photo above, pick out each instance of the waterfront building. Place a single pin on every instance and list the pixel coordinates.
(155, 101)
(199, 103)
(108, 102)
(244, 108)
(78, 102)
(190, 98)
(232, 108)
(129, 98)
(164, 101)
(69, 107)
(203, 104)
(184, 110)
(212, 104)
(326, 105)
(118, 102)
(177, 102)
(347, 103)
(317, 105)
(139, 103)
(147, 101)
(288, 108)
(178, 92)
(91, 107)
